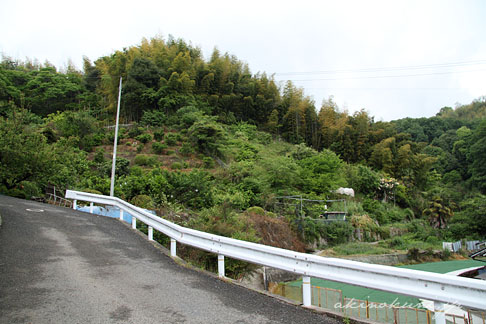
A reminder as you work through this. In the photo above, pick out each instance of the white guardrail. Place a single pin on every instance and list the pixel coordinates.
(440, 288)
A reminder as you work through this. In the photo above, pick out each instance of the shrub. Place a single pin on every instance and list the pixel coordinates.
(264, 138)
(171, 139)
(337, 232)
(17, 193)
(236, 199)
(70, 123)
(256, 210)
(140, 147)
(420, 229)
(359, 248)
(188, 116)
(145, 160)
(158, 148)
(376, 210)
(194, 189)
(334, 233)
(122, 166)
(144, 138)
(187, 149)
(322, 172)
(99, 156)
(143, 201)
(176, 166)
(208, 162)
(246, 152)
(207, 136)
(432, 240)
(92, 140)
(159, 135)
(222, 221)
(397, 214)
(446, 254)
(30, 189)
(135, 131)
(396, 242)
(155, 118)
(271, 215)
(93, 191)
(101, 184)
(302, 151)
(367, 181)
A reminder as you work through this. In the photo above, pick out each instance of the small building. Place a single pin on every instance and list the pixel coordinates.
(332, 216)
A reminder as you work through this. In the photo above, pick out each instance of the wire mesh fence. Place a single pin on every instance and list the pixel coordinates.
(476, 317)
(333, 300)
(290, 292)
(327, 298)
(384, 313)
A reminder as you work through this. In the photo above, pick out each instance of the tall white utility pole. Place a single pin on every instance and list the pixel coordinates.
(112, 186)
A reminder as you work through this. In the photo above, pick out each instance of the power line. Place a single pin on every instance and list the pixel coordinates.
(385, 76)
(388, 69)
(395, 88)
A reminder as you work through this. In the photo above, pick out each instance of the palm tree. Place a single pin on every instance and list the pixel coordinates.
(438, 212)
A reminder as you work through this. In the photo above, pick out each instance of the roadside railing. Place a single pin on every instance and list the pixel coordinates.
(439, 288)
(58, 201)
(333, 299)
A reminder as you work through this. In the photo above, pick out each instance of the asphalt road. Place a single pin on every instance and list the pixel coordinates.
(62, 266)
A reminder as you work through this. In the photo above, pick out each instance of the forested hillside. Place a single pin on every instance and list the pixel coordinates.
(209, 139)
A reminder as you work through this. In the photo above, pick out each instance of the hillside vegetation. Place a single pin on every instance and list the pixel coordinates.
(214, 147)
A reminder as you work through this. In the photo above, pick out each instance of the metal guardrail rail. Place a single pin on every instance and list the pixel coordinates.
(440, 288)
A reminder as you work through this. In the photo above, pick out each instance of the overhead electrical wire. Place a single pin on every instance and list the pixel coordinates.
(388, 69)
(386, 76)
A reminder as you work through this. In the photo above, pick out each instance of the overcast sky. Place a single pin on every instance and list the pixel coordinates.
(395, 59)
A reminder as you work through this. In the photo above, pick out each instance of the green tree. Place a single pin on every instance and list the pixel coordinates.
(24, 153)
(207, 136)
(360, 122)
(460, 151)
(322, 172)
(382, 155)
(281, 173)
(49, 91)
(472, 215)
(367, 181)
(273, 123)
(477, 156)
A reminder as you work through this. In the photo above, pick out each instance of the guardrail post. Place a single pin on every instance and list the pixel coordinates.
(173, 247)
(91, 207)
(306, 291)
(439, 313)
(121, 214)
(220, 265)
(134, 222)
(367, 309)
(75, 204)
(150, 233)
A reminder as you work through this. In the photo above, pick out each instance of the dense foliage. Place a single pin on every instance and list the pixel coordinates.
(209, 133)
